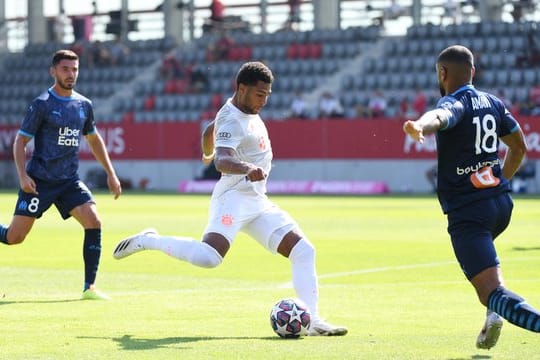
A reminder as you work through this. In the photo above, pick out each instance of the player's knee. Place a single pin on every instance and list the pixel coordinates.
(207, 257)
(302, 252)
(14, 238)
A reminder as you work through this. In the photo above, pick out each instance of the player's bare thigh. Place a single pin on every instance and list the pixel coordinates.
(218, 242)
(18, 229)
(86, 214)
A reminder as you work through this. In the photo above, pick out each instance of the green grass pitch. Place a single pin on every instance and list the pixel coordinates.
(385, 264)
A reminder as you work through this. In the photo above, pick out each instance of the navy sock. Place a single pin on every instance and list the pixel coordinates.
(513, 308)
(91, 255)
(3, 234)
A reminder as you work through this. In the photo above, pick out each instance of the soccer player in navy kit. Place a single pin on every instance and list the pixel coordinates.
(57, 120)
(472, 184)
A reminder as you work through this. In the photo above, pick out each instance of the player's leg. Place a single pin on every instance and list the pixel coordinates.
(279, 233)
(208, 253)
(225, 220)
(17, 231)
(28, 208)
(75, 199)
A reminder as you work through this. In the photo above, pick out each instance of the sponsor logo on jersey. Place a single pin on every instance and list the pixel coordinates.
(477, 167)
(223, 135)
(484, 178)
(68, 137)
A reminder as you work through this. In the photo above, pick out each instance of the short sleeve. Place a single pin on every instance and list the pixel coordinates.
(33, 118)
(228, 134)
(89, 123)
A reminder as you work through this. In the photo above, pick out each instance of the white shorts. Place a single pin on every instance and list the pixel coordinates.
(251, 213)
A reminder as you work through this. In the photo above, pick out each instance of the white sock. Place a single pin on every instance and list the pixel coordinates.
(187, 249)
(304, 275)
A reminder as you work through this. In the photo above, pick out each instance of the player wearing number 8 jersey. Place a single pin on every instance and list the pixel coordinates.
(472, 184)
(56, 121)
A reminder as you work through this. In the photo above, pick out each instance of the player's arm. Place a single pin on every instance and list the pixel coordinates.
(227, 162)
(19, 155)
(207, 143)
(95, 141)
(517, 147)
(429, 123)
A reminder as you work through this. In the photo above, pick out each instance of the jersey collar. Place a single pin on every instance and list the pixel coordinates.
(463, 88)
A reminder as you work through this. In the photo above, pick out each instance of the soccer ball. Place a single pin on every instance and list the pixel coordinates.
(290, 318)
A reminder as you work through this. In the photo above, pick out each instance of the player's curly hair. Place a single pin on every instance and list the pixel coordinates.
(63, 55)
(252, 72)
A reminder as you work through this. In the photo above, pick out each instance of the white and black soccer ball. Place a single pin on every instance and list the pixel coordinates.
(290, 318)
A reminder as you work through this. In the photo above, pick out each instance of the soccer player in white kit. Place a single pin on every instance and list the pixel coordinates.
(237, 141)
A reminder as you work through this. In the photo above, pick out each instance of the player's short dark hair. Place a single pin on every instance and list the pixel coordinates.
(252, 72)
(63, 55)
(457, 54)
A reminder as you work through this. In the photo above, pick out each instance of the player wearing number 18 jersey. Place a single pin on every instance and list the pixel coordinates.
(473, 186)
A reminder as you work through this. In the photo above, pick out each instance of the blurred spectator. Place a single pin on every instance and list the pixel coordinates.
(98, 54)
(534, 98)
(298, 107)
(377, 105)
(479, 67)
(330, 106)
(431, 176)
(171, 67)
(294, 14)
(419, 103)
(220, 49)
(530, 56)
(118, 51)
(79, 47)
(217, 10)
(198, 81)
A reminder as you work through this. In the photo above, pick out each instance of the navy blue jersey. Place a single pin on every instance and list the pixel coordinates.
(57, 125)
(469, 166)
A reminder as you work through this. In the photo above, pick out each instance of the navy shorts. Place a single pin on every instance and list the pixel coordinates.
(65, 195)
(474, 227)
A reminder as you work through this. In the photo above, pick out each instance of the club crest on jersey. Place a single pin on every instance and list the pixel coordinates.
(227, 219)
(68, 137)
(82, 114)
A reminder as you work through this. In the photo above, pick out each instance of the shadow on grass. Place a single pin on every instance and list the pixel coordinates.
(520, 248)
(474, 357)
(52, 301)
(128, 342)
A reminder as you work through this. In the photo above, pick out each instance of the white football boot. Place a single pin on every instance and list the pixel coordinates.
(490, 332)
(320, 327)
(132, 244)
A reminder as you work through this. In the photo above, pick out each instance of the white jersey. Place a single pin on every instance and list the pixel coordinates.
(247, 135)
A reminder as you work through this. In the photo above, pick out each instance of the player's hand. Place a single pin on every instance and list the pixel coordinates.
(28, 185)
(114, 186)
(412, 129)
(256, 174)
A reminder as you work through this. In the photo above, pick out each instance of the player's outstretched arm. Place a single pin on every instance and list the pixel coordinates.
(95, 141)
(428, 123)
